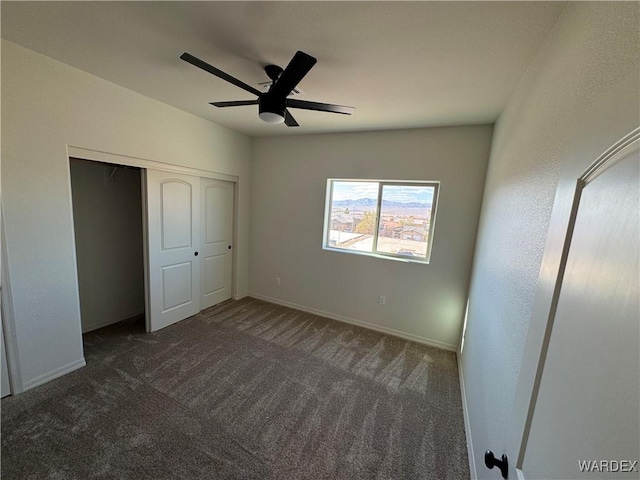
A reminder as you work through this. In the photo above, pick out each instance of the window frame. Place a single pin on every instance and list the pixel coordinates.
(435, 184)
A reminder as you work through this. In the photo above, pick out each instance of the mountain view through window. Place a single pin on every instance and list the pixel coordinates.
(384, 218)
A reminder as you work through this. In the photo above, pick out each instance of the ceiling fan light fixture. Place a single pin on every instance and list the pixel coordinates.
(271, 109)
(271, 117)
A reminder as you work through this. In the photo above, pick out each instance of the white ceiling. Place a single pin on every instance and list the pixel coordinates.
(401, 64)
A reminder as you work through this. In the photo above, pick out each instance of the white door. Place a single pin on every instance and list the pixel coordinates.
(216, 235)
(583, 416)
(173, 241)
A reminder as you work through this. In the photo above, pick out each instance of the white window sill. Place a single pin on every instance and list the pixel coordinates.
(394, 258)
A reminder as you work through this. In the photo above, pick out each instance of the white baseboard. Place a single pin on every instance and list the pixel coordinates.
(105, 323)
(359, 323)
(58, 372)
(467, 424)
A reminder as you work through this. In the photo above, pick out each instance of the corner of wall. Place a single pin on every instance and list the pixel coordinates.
(467, 422)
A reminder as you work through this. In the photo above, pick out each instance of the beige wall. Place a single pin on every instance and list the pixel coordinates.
(47, 106)
(591, 53)
(107, 219)
(423, 302)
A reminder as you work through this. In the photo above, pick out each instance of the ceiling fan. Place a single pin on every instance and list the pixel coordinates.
(273, 105)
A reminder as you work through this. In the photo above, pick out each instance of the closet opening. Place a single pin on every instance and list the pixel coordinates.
(108, 227)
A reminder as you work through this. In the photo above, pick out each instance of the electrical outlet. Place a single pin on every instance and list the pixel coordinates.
(382, 300)
(277, 280)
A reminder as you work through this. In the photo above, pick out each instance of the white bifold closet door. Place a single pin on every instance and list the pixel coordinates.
(189, 228)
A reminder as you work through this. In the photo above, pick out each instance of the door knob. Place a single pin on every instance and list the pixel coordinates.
(196, 254)
(491, 461)
(229, 247)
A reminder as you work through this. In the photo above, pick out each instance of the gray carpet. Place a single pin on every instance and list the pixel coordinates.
(243, 390)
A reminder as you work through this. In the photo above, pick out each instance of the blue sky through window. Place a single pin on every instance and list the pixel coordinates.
(406, 194)
(395, 193)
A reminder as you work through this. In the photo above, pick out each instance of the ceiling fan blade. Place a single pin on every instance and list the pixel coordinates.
(218, 73)
(320, 107)
(298, 67)
(289, 121)
(235, 103)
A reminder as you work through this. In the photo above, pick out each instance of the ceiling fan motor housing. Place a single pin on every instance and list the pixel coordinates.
(272, 109)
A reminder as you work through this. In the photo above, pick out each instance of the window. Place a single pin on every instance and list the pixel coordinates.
(381, 218)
